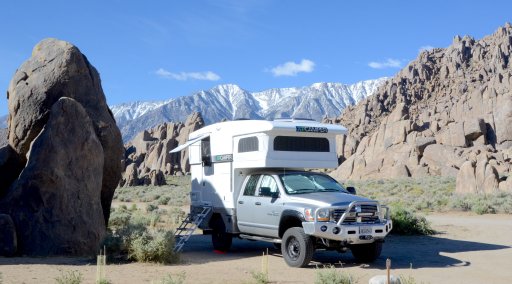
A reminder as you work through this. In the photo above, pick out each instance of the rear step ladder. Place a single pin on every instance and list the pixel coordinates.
(188, 226)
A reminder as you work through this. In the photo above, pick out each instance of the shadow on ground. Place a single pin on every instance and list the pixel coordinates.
(404, 251)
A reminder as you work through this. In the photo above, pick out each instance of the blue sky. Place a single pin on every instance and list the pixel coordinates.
(155, 50)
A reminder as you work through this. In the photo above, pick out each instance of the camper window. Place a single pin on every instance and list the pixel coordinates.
(206, 152)
(301, 144)
(250, 187)
(248, 144)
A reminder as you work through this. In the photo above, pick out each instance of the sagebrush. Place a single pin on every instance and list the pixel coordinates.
(69, 277)
(331, 275)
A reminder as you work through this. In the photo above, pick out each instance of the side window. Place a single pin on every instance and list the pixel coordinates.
(301, 144)
(248, 144)
(250, 186)
(206, 152)
(268, 186)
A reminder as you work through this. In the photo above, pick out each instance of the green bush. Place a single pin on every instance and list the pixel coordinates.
(154, 246)
(69, 277)
(407, 223)
(329, 275)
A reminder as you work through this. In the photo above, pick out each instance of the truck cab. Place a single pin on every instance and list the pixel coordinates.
(256, 177)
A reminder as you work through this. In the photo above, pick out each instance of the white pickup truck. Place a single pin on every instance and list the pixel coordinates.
(252, 174)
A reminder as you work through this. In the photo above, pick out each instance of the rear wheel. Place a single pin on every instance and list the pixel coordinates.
(366, 252)
(221, 239)
(297, 247)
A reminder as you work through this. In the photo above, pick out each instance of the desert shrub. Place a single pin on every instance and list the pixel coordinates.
(151, 207)
(163, 200)
(132, 235)
(500, 202)
(407, 223)
(259, 277)
(153, 246)
(69, 277)
(178, 278)
(175, 193)
(1, 278)
(329, 275)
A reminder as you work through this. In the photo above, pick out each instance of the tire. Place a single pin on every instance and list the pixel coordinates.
(297, 247)
(221, 240)
(366, 252)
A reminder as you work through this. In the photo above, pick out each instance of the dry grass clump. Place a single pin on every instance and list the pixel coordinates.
(330, 275)
(69, 277)
(178, 278)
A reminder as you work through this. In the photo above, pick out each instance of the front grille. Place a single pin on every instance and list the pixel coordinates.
(365, 208)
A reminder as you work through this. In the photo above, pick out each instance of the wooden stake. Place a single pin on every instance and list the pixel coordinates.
(388, 267)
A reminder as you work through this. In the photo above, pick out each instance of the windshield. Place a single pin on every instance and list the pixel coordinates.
(298, 183)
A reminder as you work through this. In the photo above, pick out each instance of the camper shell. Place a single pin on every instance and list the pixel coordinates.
(229, 157)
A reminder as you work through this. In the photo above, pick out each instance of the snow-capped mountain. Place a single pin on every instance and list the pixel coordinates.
(129, 111)
(232, 102)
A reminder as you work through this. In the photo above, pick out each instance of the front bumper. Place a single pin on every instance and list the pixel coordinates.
(350, 233)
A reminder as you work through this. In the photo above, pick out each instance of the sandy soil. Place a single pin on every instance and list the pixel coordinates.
(469, 249)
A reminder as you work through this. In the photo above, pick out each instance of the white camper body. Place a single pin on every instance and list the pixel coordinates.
(249, 180)
(222, 154)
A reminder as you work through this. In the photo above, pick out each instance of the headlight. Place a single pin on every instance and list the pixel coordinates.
(323, 215)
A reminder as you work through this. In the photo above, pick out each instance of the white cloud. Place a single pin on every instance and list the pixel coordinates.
(425, 47)
(291, 68)
(183, 76)
(389, 63)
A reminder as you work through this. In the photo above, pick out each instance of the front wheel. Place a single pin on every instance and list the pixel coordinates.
(366, 252)
(221, 239)
(297, 247)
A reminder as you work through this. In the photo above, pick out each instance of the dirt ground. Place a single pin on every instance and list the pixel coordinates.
(469, 249)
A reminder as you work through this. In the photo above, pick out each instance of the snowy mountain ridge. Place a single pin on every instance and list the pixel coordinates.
(230, 101)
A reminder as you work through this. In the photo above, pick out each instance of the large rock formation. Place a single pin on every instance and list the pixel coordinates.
(3, 137)
(445, 108)
(63, 161)
(55, 203)
(147, 156)
(58, 69)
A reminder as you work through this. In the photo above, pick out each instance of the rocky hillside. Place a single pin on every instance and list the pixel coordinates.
(147, 156)
(232, 102)
(449, 112)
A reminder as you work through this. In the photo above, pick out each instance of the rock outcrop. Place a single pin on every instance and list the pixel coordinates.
(147, 156)
(55, 203)
(63, 158)
(447, 107)
(3, 137)
(58, 69)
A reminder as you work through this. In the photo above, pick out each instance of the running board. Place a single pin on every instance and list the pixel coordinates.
(258, 238)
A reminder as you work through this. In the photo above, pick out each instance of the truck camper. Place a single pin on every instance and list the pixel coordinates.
(252, 179)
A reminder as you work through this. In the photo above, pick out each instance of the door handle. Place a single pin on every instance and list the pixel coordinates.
(258, 203)
(240, 202)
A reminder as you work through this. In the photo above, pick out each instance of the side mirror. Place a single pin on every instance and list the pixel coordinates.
(274, 195)
(351, 190)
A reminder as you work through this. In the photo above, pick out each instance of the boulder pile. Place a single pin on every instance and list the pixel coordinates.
(63, 158)
(147, 157)
(448, 113)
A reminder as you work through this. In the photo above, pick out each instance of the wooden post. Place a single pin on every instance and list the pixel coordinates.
(388, 267)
